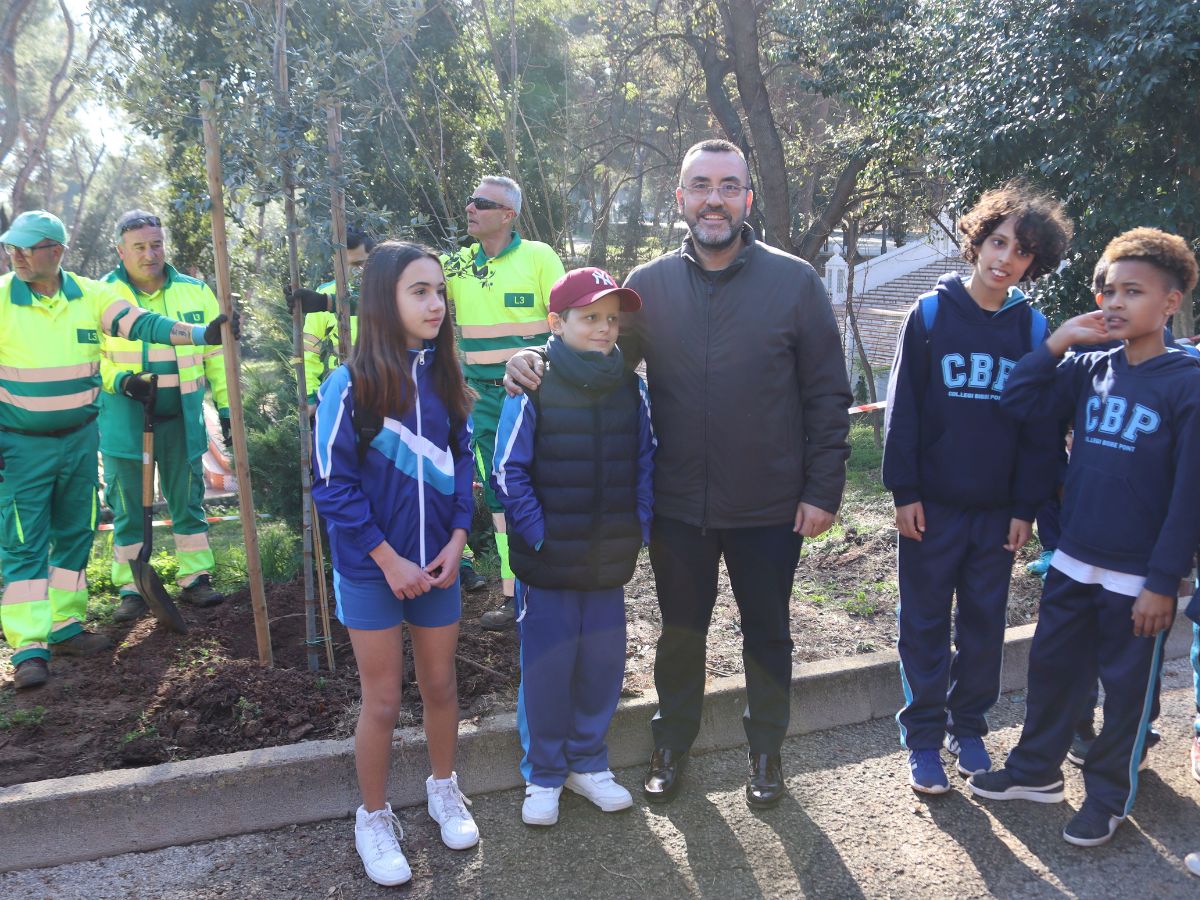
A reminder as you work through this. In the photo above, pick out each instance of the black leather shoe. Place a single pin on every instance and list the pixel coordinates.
(765, 786)
(664, 775)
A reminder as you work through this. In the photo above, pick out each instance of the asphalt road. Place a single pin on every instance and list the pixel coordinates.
(851, 828)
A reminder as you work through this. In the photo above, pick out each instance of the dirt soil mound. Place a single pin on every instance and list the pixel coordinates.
(158, 696)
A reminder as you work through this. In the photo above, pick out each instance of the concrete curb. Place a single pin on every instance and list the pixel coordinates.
(85, 817)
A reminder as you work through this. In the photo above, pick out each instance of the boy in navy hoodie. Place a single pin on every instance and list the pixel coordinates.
(573, 470)
(1130, 527)
(966, 479)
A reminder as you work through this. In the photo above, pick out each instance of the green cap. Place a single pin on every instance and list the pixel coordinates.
(30, 227)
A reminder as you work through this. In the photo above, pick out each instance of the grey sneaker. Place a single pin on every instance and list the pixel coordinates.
(500, 619)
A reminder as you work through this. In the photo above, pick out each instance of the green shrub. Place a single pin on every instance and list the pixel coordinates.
(278, 551)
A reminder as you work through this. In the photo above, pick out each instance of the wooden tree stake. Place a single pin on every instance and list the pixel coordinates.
(212, 162)
(309, 526)
(337, 206)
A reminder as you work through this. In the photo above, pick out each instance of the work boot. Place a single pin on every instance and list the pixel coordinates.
(201, 594)
(131, 608)
(86, 643)
(31, 673)
(500, 619)
(470, 580)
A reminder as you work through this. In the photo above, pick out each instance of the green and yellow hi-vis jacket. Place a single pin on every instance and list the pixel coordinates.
(50, 349)
(500, 304)
(182, 370)
(321, 330)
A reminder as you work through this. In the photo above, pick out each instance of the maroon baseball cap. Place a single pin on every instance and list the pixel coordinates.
(583, 286)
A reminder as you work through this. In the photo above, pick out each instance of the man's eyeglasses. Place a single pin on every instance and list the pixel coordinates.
(13, 249)
(139, 222)
(483, 203)
(728, 191)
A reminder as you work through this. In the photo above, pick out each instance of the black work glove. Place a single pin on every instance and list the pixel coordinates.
(227, 432)
(310, 301)
(212, 334)
(137, 387)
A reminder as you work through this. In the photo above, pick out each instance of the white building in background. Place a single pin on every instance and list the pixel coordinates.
(885, 287)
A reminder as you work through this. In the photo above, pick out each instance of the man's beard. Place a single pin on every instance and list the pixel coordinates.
(735, 231)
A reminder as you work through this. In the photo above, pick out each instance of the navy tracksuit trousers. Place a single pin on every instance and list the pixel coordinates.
(961, 557)
(1084, 630)
(762, 566)
(572, 667)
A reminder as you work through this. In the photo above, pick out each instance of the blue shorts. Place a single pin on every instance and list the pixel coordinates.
(370, 605)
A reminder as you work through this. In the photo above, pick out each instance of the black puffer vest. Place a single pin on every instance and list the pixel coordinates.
(585, 461)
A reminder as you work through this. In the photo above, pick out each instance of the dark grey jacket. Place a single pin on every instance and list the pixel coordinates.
(747, 383)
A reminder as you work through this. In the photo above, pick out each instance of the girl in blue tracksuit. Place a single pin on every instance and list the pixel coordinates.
(392, 477)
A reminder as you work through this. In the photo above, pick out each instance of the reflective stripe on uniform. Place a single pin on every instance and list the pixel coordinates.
(28, 591)
(42, 374)
(115, 310)
(190, 542)
(505, 329)
(127, 552)
(67, 580)
(50, 404)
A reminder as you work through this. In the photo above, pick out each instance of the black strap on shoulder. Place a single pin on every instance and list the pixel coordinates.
(367, 425)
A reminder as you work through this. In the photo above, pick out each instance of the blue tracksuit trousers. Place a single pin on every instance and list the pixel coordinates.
(1083, 630)
(962, 557)
(572, 667)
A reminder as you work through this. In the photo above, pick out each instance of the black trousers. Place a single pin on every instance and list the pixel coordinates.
(762, 566)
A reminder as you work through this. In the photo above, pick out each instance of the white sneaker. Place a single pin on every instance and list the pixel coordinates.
(448, 807)
(375, 837)
(601, 788)
(541, 804)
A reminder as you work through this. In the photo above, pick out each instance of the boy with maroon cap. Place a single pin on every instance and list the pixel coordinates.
(573, 469)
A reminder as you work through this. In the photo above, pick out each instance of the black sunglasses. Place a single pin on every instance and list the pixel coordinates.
(483, 203)
(140, 222)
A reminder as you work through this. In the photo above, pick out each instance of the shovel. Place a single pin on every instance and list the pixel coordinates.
(148, 584)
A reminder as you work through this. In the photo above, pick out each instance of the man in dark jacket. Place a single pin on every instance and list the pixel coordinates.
(749, 400)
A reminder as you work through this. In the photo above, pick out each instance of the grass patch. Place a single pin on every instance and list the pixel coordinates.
(863, 478)
(21, 718)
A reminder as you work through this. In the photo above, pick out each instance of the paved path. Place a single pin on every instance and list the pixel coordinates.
(852, 828)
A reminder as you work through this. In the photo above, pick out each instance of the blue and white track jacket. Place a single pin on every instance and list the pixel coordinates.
(413, 487)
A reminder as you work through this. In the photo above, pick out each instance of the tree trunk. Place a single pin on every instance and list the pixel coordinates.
(598, 252)
(810, 244)
(633, 218)
(741, 19)
(852, 320)
(10, 27)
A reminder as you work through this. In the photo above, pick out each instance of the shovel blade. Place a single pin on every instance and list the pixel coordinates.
(162, 607)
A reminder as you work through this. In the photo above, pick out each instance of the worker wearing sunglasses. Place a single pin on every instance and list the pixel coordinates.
(500, 288)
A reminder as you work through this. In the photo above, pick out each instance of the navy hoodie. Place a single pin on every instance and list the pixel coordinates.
(1136, 430)
(947, 440)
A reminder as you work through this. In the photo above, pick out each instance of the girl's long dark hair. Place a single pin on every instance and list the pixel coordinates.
(380, 364)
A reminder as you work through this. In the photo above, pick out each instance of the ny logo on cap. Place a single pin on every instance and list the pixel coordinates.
(603, 277)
